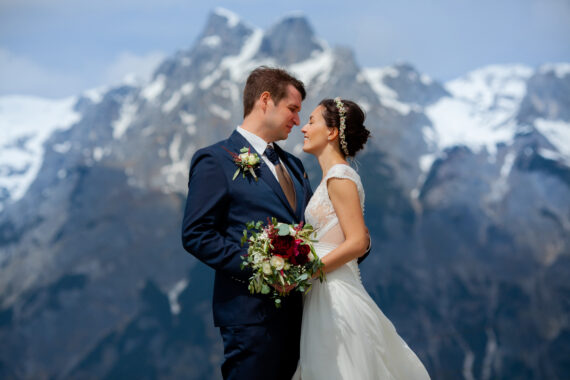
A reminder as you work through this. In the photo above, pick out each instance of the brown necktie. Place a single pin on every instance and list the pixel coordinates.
(282, 176)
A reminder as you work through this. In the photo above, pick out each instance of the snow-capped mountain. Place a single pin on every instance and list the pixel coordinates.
(26, 122)
(467, 201)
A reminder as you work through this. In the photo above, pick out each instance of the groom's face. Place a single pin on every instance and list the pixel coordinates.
(283, 116)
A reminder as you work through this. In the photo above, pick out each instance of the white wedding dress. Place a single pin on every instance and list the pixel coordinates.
(344, 334)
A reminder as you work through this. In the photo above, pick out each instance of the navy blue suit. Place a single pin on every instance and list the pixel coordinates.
(260, 341)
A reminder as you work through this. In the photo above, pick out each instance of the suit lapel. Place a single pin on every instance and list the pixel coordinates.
(264, 173)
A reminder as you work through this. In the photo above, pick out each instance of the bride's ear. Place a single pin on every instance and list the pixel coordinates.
(333, 134)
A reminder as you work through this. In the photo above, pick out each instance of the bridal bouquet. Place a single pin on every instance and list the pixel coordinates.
(281, 254)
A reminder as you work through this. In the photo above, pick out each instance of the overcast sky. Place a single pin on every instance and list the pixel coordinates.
(58, 48)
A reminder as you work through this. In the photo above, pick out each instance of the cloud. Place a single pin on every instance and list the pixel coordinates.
(19, 75)
(128, 65)
(22, 76)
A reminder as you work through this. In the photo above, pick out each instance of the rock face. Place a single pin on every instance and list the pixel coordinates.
(468, 203)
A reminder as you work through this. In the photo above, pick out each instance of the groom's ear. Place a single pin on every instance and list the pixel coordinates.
(264, 100)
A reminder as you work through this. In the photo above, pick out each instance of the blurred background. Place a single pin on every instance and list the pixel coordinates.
(467, 174)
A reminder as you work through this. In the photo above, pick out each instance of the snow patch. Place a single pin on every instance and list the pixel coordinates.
(457, 123)
(62, 148)
(187, 88)
(387, 96)
(426, 161)
(232, 18)
(95, 94)
(173, 295)
(429, 136)
(482, 108)
(191, 130)
(125, 119)
(554, 156)
(559, 69)
(155, 88)
(500, 187)
(209, 80)
(98, 153)
(174, 149)
(176, 174)
(220, 112)
(187, 118)
(317, 68)
(212, 41)
(426, 79)
(228, 89)
(240, 65)
(557, 132)
(172, 102)
(26, 123)
(491, 84)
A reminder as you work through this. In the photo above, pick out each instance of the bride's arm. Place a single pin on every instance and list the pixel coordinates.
(344, 197)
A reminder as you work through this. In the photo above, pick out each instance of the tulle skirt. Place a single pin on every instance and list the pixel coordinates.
(346, 336)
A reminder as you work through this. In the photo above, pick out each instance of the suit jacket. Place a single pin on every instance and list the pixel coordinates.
(217, 209)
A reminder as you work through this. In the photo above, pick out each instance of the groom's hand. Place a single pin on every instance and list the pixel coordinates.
(365, 254)
(284, 289)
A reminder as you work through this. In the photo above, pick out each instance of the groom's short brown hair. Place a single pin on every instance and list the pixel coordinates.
(273, 80)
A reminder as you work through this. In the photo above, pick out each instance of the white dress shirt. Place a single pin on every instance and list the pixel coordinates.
(259, 145)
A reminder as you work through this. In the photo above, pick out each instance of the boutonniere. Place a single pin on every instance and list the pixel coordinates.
(245, 161)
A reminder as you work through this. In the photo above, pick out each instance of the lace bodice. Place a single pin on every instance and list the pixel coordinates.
(320, 211)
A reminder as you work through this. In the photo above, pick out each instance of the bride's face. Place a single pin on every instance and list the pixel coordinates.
(316, 133)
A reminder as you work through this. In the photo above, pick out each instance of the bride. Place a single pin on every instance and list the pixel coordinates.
(344, 334)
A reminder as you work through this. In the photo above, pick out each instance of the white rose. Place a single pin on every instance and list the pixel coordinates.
(257, 258)
(243, 157)
(266, 268)
(252, 160)
(277, 262)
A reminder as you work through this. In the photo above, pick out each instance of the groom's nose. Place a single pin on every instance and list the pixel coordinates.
(297, 120)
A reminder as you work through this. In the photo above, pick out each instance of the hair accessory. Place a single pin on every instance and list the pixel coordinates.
(342, 112)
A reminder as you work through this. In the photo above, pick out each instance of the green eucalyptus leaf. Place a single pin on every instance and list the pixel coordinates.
(283, 229)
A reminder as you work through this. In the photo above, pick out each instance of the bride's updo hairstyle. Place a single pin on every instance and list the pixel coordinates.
(355, 133)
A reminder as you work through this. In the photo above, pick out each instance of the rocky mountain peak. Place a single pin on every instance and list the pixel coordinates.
(546, 95)
(290, 40)
(221, 20)
(413, 86)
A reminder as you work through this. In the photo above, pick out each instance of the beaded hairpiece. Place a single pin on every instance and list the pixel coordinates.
(342, 112)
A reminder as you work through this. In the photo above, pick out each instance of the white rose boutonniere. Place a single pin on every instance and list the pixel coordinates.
(246, 162)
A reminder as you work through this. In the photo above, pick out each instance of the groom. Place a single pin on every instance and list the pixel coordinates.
(260, 341)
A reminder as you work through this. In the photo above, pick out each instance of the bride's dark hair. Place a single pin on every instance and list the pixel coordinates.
(355, 132)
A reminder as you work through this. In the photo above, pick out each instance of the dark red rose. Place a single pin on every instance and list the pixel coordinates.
(299, 254)
(282, 245)
(304, 250)
(303, 256)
